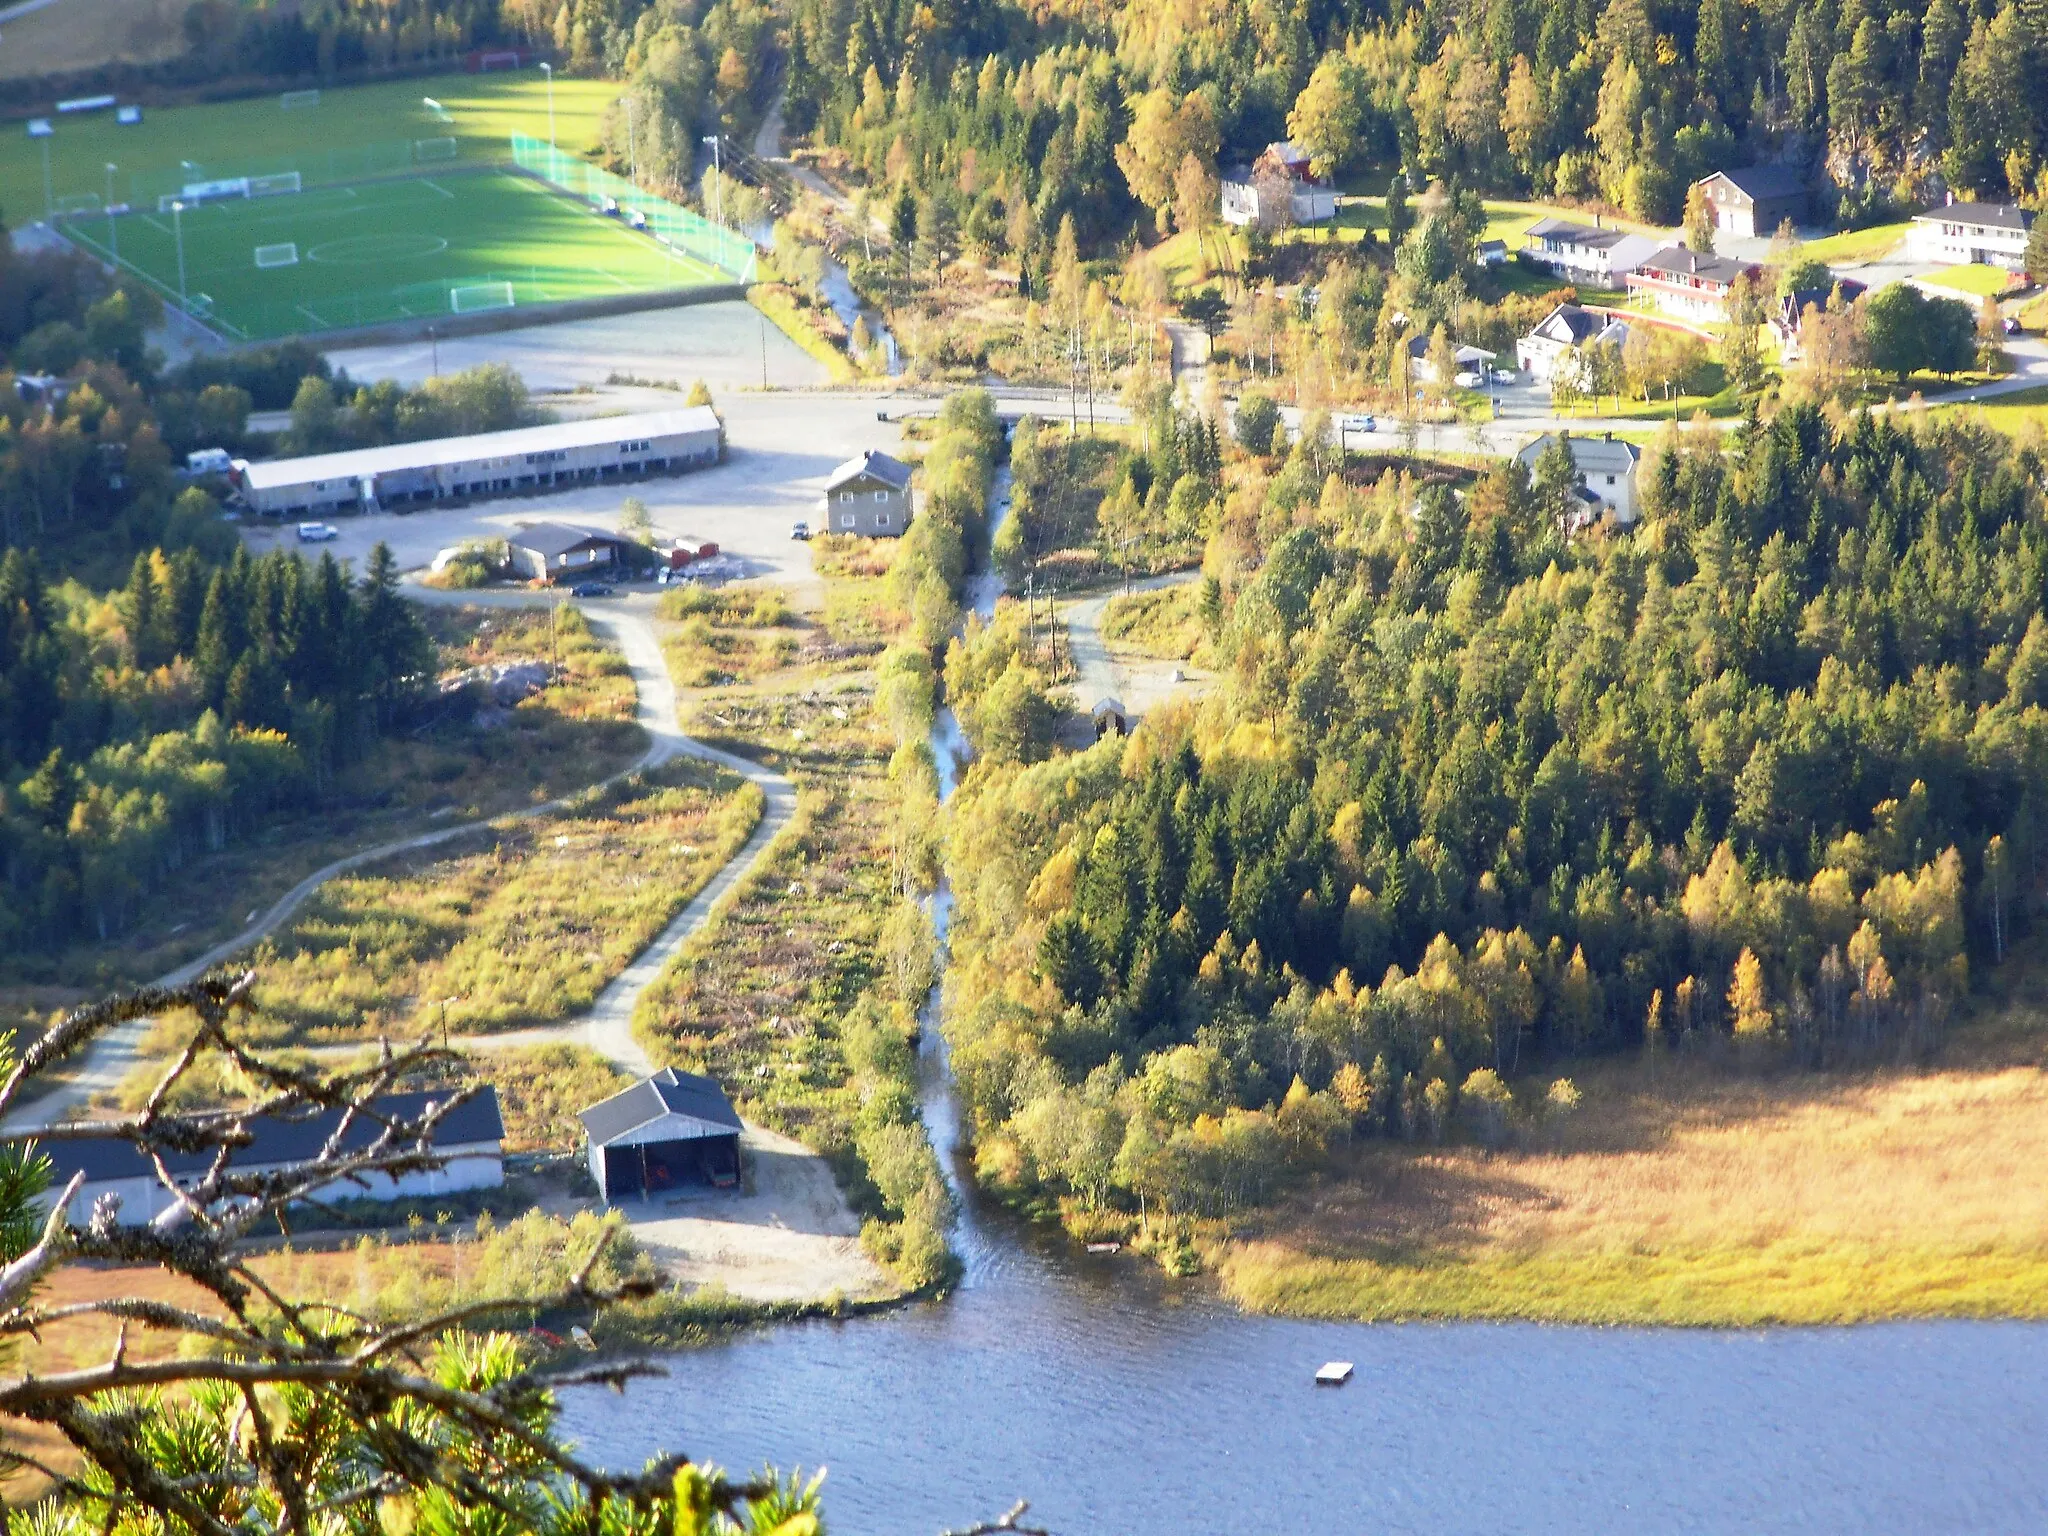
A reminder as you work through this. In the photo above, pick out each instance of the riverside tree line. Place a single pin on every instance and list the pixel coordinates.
(1476, 800)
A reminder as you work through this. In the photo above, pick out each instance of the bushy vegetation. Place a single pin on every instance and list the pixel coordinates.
(525, 930)
(1759, 782)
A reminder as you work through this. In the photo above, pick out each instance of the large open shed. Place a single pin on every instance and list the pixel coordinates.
(667, 1131)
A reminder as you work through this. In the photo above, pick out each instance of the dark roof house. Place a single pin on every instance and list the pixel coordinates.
(1755, 199)
(550, 549)
(670, 1129)
(470, 1136)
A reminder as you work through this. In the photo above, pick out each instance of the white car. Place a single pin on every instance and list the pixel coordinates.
(318, 533)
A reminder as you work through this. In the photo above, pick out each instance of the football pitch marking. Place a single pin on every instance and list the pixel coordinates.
(368, 250)
(437, 187)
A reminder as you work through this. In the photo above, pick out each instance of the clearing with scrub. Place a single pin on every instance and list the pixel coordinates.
(382, 251)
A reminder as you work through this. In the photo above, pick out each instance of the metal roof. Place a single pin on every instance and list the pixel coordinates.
(1764, 183)
(667, 1092)
(1577, 323)
(1606, 455)
(1981, 215)
(434, 452)
(280, 1141)
(1575, 234)
(557, 538)
(1676, 258)
(873, 463)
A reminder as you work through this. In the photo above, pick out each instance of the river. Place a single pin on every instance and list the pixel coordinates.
(1117, 1400)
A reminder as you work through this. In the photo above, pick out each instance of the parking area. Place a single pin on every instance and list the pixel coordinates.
(781, 448)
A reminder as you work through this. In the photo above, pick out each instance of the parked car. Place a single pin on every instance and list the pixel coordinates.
(1505, 376)
(590, 589)
(800, 530)
(2012, 325)
(318, 533)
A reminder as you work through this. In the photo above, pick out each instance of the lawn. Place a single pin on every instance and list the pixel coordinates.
(1977, 278)
(350, 133)
(379, 251)
(1852, 247)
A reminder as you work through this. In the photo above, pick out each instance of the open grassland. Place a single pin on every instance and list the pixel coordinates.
(352, 132)
(1165, 622)
(566, 736)
(1853, 247)
(381, 251)
(59, 39)
(524, 930)
(1692, 1198)
(2023, 411)
(729, 634)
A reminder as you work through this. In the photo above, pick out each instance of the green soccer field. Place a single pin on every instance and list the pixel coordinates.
(384, 251)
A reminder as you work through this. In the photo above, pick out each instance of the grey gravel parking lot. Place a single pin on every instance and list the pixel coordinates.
(780, 449)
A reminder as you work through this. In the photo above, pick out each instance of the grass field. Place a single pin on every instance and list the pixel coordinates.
(387, 250)
(1977, 279)
(350, 133)
(1855, 246)
(1693, 1196)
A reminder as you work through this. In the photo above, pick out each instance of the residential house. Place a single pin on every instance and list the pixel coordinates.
(1756, 199)
(554, 551)
(1276, 190)
(1994, 234)
(1470, 360)
(1790, 313)
(1589, 254)
(1688, 284)
(1606, 475)
(1557, 346)
(467, 1141)
(1492, 253)
(868, 495)
(668, 1130)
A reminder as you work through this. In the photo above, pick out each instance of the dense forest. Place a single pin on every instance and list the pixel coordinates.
(1763, 779)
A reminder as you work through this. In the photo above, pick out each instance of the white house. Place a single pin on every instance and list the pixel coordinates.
(1556, 346)
(468, 1139)
(1469, 359)
(1692, 285)
(1992, 233)
(1253, 194)
(1607, 477)
(1596, 256)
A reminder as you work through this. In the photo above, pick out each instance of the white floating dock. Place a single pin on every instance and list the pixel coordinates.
(1335, 1374)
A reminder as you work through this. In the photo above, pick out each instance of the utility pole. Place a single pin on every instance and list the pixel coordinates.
(764, 349)
(178, 236)
(717, 181)
(434, 341)
(113, 239)
(49, 196)
(549, 70)
(632, 143)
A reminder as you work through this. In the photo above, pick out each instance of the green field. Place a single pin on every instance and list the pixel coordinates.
(1976, 278)
(385, 251)
(350, 133)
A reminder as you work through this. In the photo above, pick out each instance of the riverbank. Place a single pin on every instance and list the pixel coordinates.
(1691, 1199)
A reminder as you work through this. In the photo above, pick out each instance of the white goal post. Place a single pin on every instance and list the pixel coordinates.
(285, 254)
(72, 204)
(428, 151)
(473, 297)
(275, 184)
(436, 111)
(292, 100)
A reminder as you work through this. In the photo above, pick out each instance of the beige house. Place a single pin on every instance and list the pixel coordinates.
(869, 495)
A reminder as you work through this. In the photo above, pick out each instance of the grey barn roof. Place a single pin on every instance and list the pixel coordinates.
(589, 432)
(1981, 215)
(667, 1092)
(1575, 234)
(890, 471)
(1576, 322)
(557, 538)
(1766, 183)
(1602, 455)
(279, 1141)
(1676, 258)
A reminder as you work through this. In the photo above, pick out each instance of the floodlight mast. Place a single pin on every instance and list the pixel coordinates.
(178, 234)
(549, 70)
(113, 239)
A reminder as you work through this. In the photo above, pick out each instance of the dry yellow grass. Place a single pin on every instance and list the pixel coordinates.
(1796, 1199)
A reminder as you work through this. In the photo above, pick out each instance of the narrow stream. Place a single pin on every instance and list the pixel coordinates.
(1119, 1401)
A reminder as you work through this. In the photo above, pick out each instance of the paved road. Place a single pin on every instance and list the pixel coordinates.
(607, 1027)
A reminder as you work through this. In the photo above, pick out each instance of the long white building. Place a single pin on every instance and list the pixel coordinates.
(526, 459)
